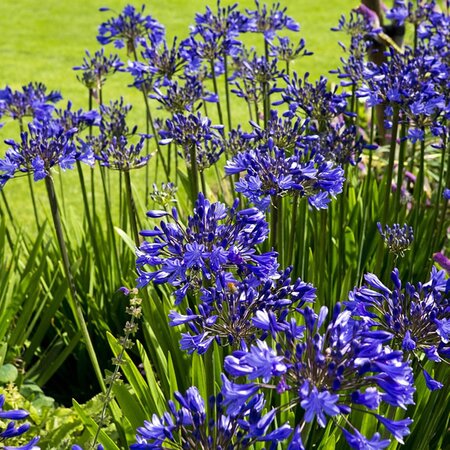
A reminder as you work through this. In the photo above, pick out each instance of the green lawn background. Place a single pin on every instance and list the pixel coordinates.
(43, 40)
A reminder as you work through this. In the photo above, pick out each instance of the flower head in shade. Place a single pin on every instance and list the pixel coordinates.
(328, 372)
(45, 145)
(96, 68)
(417, 317)
(269, 21)
(196, 131)
(242, 312)
(397, 239)
(128, 28)
(164, 196)
(183, 95)
(32, 101)
(271, 171)
(12, 429)
(218, 246)
(195, 425)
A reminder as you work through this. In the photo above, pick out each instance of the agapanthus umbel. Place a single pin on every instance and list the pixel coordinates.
(193, 425)
(196, 131)
(96, 68)
(255, 77)
(45, 145)
(12, 429)
(160, 63)
(183, 95)
(327, 373)
(79, 119)
(32, 101)
(417, 317)
(269, 21)
(397, 239)
(287, 51)
(112, 146)
(313, 100)
(242, 312)
(217, 247)
(270, 171)
(128, 28)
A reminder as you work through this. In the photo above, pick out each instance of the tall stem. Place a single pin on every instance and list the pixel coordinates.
(293, 230)
(227, 93)
(131, 208)
(401, 163)
(216, 91)
(194, 173)
(73, 300)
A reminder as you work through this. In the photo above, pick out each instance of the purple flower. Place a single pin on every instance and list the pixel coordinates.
(128, 28)
(268, 22)
(398, 428)
(359, 442)
(226, 239)
(397, 239)
(32, 101)
(415, 316)
(317, 403)
(45, 145)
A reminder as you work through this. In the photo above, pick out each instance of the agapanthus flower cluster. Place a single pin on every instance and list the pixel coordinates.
(217, 247)
(96, 68)
(183, 95)
(409, 82)
(112, 146)
(270, 21)
(164, 196)
(362, 30)
(33, 101)
(415, 13)
(416, 317)
(397, 239)
(255, 77)
(13, 429)
(195, 131)
(270, 171)
(45, 145)
(128, 28)
(241, 311)
(288, 51)
(195, 425)
(313, 100)
(327, 373)
(80, 119)
(160, 64)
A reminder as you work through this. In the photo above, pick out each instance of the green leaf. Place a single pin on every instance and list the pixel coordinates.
(8, 373)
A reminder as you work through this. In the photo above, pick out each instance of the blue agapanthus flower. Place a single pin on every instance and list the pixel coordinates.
(193, 425)
(129, 27)
(195, 131)
(183, 95)
(218, 246)
(69, 119)
(45, 145)
(112, 147)
(327, 373)
(241, 311)
(33, 101)
(270, 21)
(396, 238)
(96, 68)
(13, 429)
(160, 63)
(416, 317)
(270, 171)
(288, 51)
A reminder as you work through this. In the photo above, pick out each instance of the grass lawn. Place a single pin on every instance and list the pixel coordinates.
(42, 41)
